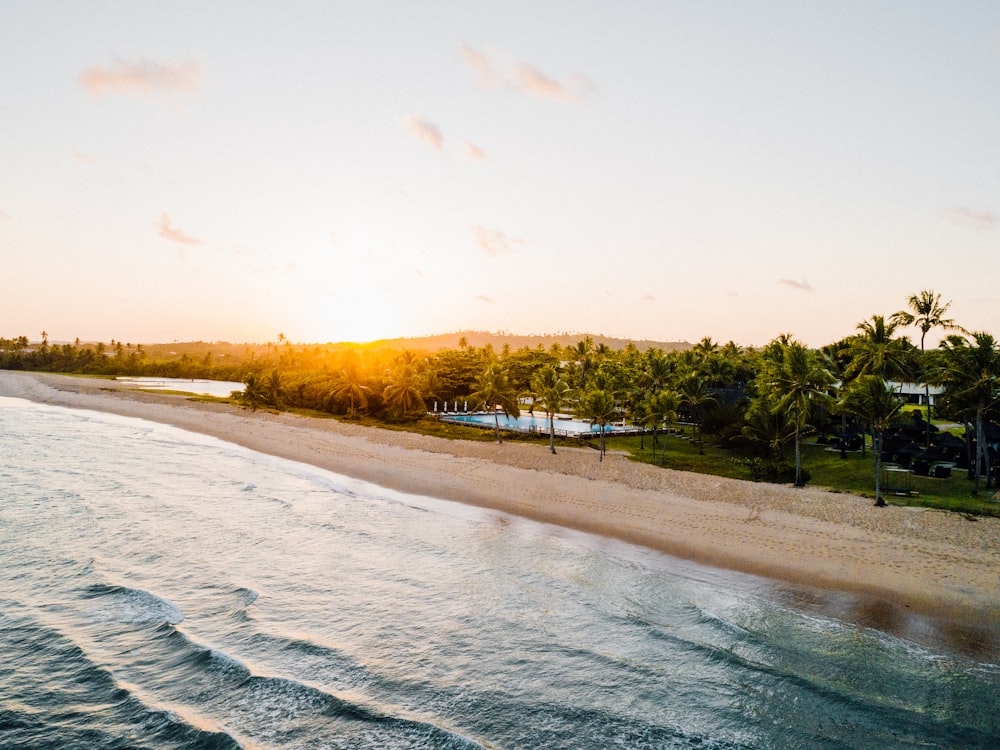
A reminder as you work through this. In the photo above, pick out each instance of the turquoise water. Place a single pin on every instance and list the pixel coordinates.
(530, 423)
(160, 589)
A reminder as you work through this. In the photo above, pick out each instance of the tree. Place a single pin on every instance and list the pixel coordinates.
(403, 392)
(695, 395)
(875, 402)
(970, 374)
(926, 312)
(598, 405)
(351, 386)
(769, 426)
(493, 392)
(876, 351)
(798, 382)
(274, 389)
(553, 392)
(253, 391)
(661, 407)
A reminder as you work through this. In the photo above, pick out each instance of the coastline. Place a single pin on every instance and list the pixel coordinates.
(909, 560)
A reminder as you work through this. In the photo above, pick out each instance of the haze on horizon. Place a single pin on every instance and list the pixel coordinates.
(341, 172)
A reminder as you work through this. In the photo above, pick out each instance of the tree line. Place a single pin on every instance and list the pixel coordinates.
(761, 402)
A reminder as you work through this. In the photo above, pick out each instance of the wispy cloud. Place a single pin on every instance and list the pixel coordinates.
(493, 241)
(172, 234)
(4, 216)
(425, 130)
(144, 77)
(473, 151)
(487, 76)
(81, 157)
(980, 220)
(526, 78)
(483, 298)
(648, 298)
(801, 285)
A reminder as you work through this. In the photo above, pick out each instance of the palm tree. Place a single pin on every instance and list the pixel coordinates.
(798, 382)
(254, 392)
(403, 392)
(274, 390)
(553, 392)
(877, 403)
(769, 426)
(971, 374)
(875, 351)
(695, 395)
(926, 312)
(662, 407)
(493, 392)
(352, 387)
(598, 405)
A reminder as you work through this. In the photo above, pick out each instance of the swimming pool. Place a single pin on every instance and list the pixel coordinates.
(530, 423)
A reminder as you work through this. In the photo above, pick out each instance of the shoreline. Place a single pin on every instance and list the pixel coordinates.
(905, 560)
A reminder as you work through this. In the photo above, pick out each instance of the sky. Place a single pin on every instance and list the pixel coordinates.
(348, 171)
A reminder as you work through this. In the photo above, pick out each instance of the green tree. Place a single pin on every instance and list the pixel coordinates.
(926, 312)
(798, 382)
(598, 405)
(254, 393)
(876, 403)
(695, 395)
(769, 426)
(877, 351)
(553, 392)
(661, 407)
(352, 387)
(274, 389)
(402, 394)
(494, 393)
(970, 374)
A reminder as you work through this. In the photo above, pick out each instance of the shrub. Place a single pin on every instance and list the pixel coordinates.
(770, 470)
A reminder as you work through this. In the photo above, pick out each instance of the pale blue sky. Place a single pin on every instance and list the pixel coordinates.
(346, 171)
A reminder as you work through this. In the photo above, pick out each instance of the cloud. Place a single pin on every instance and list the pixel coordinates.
(425, 130)
(473, 152)
(648, 298)
(81, 157)
(4, 216)
(526, 78)
(493, 241)
(144, 77)
(488, 77)
(980, 220)
(483, 298)
(533, 81)
(802, 285)
(171, 234)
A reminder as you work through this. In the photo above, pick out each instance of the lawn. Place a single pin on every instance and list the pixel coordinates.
(854, 474)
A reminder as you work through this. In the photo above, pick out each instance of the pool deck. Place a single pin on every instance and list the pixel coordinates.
(535, 429)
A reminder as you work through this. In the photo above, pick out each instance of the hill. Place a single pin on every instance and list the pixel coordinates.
(516, 341)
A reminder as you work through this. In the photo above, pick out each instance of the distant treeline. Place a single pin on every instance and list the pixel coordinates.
(758, 401)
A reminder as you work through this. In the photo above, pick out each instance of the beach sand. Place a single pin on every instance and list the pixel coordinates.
(908, 559)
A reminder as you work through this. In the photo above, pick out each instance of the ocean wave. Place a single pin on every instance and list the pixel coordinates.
(131, 606)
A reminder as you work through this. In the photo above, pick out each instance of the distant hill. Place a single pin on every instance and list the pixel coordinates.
(497, 340)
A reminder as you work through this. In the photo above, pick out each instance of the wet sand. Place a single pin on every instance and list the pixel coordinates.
(902, 559)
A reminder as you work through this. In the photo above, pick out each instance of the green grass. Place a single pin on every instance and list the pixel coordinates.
(854, 474)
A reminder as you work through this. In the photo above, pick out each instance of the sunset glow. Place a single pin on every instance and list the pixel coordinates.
(338, 171)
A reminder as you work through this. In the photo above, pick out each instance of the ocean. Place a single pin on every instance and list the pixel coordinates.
(162, 589)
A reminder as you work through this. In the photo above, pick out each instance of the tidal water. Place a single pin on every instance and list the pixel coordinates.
(161, 589)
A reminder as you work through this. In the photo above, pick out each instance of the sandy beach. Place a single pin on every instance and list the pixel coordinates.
(916, 560)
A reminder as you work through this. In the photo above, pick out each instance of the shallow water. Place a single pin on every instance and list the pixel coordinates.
(161, 589)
